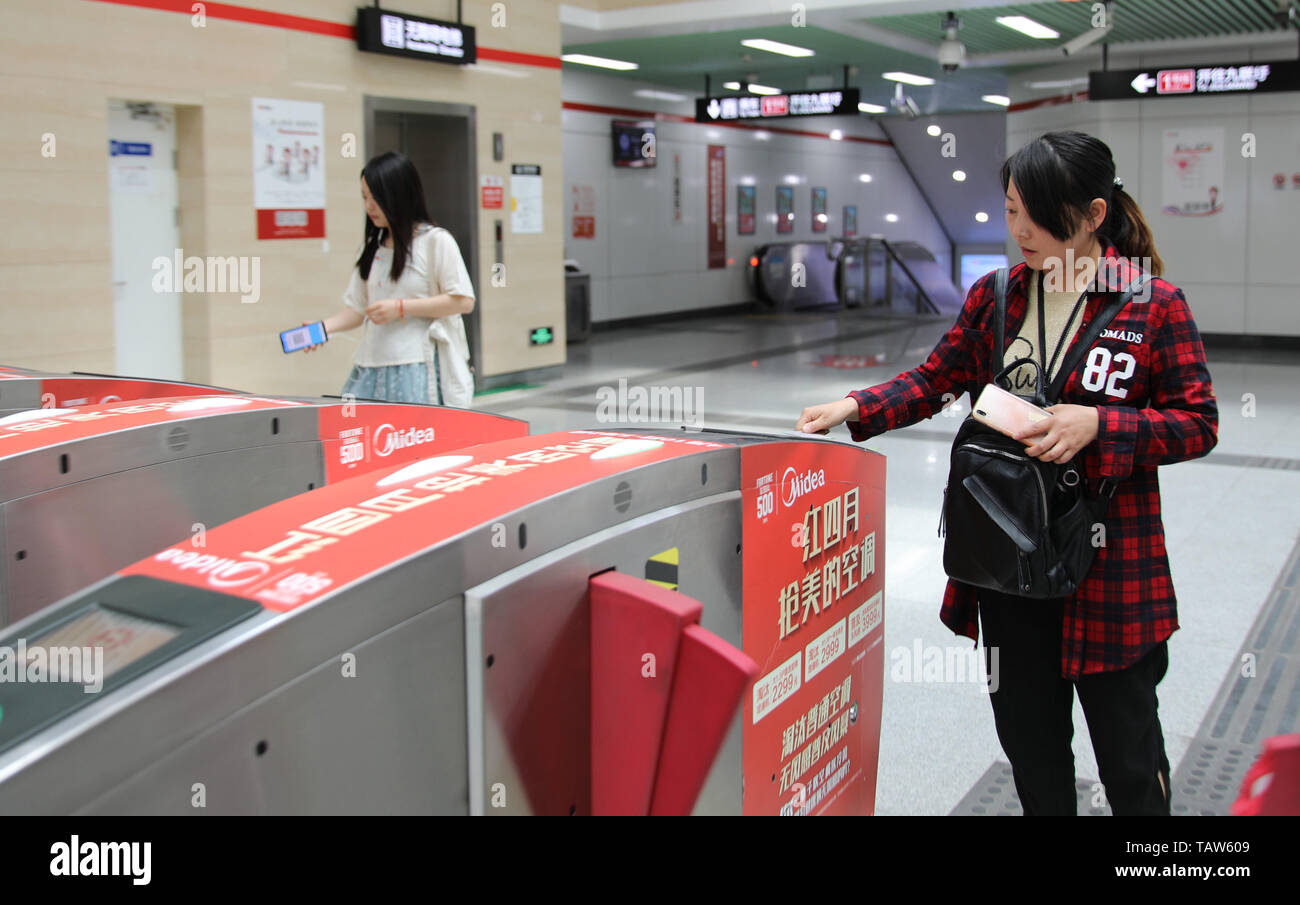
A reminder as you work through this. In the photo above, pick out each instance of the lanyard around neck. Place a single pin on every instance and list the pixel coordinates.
(1042, 330)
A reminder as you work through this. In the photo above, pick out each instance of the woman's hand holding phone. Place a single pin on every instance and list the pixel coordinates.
(1059, 438)
(819, 419)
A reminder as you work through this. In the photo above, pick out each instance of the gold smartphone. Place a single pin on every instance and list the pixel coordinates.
(1006, 412)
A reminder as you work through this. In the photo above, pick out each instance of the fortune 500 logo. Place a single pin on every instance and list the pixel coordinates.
(766, 498)
(389, 439)
(795, 485)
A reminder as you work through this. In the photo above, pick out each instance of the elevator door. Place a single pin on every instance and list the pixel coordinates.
(440, 146)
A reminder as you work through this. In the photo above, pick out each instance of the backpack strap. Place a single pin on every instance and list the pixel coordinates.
(1099, 323)
(999, 316)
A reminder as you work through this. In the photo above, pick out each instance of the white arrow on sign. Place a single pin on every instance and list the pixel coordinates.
(1142, 84)
(713, 108)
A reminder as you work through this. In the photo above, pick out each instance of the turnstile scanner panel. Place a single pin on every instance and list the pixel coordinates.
(86, 491)
(419, 636)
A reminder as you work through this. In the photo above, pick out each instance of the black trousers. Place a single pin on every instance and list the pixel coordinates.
(1032, 706)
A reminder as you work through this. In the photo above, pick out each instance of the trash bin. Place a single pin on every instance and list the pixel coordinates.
(577, 304)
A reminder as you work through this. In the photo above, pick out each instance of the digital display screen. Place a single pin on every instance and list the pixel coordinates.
(974, 266)
(300, 338)
(123, 639)
(634, 143)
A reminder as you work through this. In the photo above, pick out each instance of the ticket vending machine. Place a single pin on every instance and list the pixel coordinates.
(22, 389)
(417, 639)
(86, 491)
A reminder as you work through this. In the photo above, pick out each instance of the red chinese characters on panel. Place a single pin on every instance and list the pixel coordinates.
(813, 550)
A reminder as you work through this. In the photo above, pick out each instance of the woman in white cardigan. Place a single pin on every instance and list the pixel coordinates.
(409, 288)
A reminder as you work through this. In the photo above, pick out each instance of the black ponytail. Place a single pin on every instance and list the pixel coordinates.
(1127, 230)
(1060, 173)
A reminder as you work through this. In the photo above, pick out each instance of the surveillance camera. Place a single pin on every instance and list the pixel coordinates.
(952, 54)
(1085, 40)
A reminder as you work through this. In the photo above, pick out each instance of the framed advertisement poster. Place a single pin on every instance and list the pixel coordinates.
(850, 219)
(785, 208)
(717, 202)
(746, 201)
(819, 216)
(289, 168)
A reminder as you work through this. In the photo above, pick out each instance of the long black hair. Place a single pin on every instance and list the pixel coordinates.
(395, 185)
(1059, 174)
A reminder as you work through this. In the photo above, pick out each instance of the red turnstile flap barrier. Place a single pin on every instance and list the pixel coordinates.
(1279, 795)
(664, 693)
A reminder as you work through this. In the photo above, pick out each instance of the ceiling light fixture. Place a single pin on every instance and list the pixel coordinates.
(659, 95)
(871, 108)
(1000, 99)
(1027, 26)
(583, 59)
(785, 50)
(908, 78)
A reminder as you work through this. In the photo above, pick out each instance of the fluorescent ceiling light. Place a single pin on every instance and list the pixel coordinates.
(762, 89)
(1027, 26)
(907, 78)
(1058, 83)
(659, 95)
(864, 177)
(731, 86)
(587, 60)
(1000, 99)
(786, 50)
(934, 130)
(871, 108)
(762, 135)
(981, 217)
(958, 175)
(836, 135)
(892, 218)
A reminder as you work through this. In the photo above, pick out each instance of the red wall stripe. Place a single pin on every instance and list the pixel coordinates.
(233, 13)
(1048, 102)
(678, 118)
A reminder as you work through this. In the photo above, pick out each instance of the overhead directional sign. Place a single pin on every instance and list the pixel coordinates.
(776, 106)
(1194, 81)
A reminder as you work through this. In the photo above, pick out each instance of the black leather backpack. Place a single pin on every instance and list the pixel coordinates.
(1015, 524)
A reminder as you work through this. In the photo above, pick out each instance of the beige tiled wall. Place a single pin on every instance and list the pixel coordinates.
(62, 60)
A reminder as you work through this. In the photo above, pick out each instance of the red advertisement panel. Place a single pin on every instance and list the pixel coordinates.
(26, 431)
(65, 392)
(290, 224)
(289, 554)
(813, 558)
(362, 437)
(717, 201)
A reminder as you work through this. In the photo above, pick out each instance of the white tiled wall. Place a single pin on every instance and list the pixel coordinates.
(642, 262)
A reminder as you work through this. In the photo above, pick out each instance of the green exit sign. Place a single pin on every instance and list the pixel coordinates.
(540, 336)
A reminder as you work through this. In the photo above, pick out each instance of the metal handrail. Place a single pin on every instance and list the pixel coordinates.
(865, 242)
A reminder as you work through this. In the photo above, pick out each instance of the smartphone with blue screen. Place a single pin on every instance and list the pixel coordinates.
(300, 338)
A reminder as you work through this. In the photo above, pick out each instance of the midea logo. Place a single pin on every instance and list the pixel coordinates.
(795, 485)
(389, 440)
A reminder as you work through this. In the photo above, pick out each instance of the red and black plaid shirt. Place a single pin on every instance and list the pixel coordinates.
(1155, 406)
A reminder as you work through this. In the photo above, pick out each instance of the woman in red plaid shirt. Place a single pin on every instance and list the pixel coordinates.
(1140, 398)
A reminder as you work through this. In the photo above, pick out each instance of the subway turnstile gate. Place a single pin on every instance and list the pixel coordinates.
(22, 389)
(417, 639)
(86, 491)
